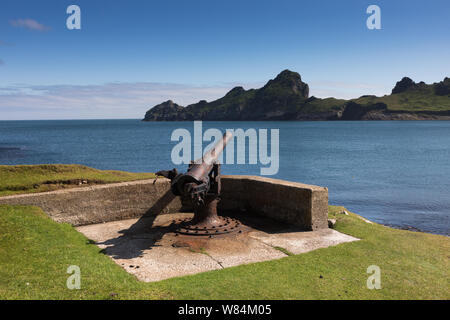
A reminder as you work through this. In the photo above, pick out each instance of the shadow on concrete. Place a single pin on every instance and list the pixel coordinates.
(142, 235)
(258, 222)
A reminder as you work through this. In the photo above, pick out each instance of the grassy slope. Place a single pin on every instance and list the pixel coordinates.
(33, 178)
(37, 251)
(418, 100)
(412, 101)
(323, 105)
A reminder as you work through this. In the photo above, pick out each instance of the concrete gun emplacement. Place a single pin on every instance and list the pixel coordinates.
(201, 185)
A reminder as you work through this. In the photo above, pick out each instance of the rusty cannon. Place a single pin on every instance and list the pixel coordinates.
(201, 186)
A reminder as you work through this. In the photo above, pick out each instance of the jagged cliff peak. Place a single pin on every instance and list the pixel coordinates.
(235, 91)
(443, 88)
(167, 110)
(403, 85)
(291, 81)
(167, 104)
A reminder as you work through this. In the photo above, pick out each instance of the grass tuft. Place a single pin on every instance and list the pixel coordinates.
(285, 251)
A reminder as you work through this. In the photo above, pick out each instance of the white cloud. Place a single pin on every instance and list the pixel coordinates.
(346, 90)
(131, 100)
(30, 24)
(112, 100)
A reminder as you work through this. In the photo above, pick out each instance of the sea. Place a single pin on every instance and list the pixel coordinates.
(395, 173)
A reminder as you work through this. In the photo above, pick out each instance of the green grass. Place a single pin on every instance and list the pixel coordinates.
(36, 251)
(39, 178)
(410, 101)
(285, 251)
(323, 105)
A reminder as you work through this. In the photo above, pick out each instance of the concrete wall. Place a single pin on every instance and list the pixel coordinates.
(298, 204)
(295, 203)
(102, 203)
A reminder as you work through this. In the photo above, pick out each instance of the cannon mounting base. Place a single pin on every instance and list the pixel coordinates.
(221, 225)
(206, 221)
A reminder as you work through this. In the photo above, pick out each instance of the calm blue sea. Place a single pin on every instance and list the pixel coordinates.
(392, 172)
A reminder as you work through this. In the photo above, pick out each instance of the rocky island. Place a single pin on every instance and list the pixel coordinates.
(287, 98)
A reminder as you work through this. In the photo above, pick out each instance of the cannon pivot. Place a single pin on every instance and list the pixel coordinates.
(201, 185)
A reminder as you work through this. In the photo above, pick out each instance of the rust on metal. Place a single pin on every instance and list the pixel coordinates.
(201, 184)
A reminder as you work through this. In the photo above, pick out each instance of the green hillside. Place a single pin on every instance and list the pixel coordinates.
(287, 98)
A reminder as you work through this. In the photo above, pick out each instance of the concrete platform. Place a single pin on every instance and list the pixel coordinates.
(147, 247)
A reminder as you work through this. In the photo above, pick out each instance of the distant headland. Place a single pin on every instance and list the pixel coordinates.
(287, 98)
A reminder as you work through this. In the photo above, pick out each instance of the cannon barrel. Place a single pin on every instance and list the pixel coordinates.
(201, 185)
(200, 169)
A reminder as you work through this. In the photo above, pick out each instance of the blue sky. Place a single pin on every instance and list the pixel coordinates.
(131, 55)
